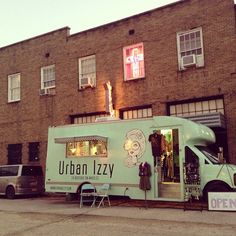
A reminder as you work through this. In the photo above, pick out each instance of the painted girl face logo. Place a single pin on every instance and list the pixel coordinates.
(135, 146)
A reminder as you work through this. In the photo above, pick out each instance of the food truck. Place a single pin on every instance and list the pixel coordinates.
(162, 158)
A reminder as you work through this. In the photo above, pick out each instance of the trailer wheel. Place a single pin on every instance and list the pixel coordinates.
(215, 187)
(10, 192)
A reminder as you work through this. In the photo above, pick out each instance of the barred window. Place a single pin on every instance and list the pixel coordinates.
(197, 108)
(137, 113)
(88, 118)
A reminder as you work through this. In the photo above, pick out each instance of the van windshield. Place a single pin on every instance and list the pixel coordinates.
(32, 171)
(211, 156)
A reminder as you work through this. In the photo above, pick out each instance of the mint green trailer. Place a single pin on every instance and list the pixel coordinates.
(115, 151)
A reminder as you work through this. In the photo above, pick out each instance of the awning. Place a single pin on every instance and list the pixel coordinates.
(80, 139)
(215, 119)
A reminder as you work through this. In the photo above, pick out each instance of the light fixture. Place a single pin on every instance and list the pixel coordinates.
(73, 148)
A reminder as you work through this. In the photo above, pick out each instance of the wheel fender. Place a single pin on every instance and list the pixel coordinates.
(10, 185)
(80, 186)
(215, 183)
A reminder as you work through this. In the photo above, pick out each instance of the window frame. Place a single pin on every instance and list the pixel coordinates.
(42, 77)
(199, 57)
(91, 73)
(81, 144)
(10, 88)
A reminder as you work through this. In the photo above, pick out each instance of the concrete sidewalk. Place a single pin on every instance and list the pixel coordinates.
(60, 206)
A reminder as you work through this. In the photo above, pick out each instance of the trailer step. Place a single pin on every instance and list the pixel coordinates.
(169, 190)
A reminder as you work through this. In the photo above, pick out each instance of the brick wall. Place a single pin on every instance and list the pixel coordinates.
(27, 120)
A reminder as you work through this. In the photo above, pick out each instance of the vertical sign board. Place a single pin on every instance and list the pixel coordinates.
(225, 201)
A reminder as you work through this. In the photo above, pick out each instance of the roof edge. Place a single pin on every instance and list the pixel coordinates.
(38, 36)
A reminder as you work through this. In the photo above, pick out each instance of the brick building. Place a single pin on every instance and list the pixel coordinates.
(177, 60)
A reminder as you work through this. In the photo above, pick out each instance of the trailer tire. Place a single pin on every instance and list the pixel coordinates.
(10, 192)
(215, 187)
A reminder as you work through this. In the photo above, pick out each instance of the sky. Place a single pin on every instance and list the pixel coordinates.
(24, 19)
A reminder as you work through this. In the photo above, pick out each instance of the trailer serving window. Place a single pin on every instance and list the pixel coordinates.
(85, 146)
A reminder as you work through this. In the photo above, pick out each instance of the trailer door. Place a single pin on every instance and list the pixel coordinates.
(165, 150)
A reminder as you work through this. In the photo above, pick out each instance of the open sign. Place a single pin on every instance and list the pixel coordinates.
(225, 201)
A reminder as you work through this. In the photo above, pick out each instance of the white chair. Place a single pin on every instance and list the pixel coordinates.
(102, 194)
(87, 194)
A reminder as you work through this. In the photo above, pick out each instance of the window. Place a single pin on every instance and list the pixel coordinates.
(14, 153)
(33, 151)
(136, 113)
(48, 77)
(190, 43)
(86, 148)
(9, 170)
(211, 156)
(190, 156)
(14, 88)
(32, 171)
(87, 72)
(133, 57)
(197, 108)
(88, 118)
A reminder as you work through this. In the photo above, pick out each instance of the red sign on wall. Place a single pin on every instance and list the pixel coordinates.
(133, 57)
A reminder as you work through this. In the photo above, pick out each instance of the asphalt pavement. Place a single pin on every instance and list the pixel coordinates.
(59, 206)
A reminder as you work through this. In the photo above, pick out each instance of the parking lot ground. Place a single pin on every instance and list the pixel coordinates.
(121, 208)
(55, 216)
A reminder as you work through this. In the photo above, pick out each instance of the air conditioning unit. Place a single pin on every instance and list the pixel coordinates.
(44, 91)
(188, 61)
(86, 82)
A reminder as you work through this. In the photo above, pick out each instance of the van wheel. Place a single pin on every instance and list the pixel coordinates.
(71, 197)
(216, 187)
(10, 192)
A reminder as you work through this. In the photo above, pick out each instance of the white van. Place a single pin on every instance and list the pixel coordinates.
(21, 180)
